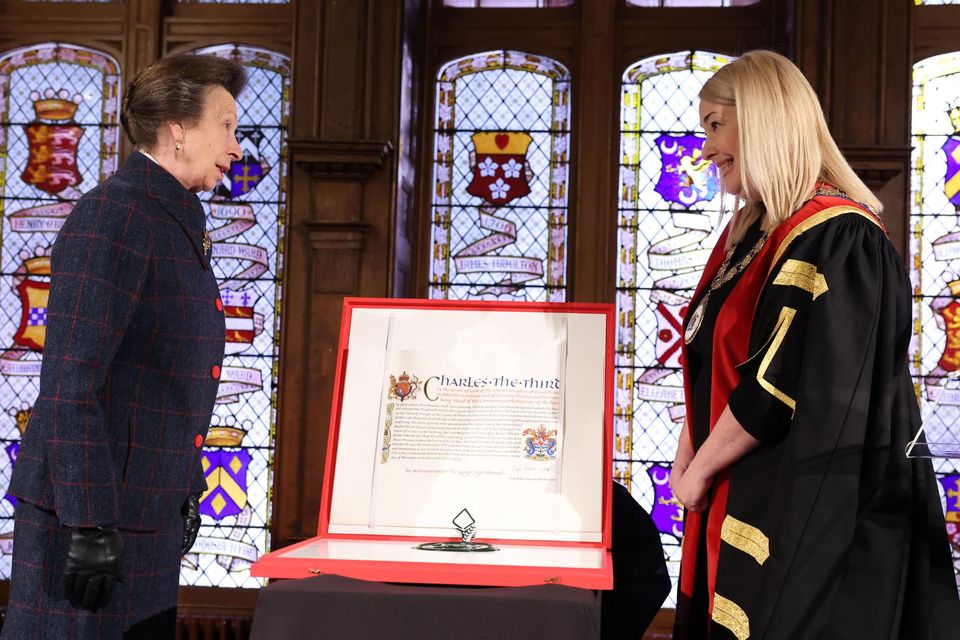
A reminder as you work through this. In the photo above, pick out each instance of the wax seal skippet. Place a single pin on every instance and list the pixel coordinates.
(467, 527)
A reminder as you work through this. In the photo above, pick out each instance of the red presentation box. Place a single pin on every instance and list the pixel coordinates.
(502, 409)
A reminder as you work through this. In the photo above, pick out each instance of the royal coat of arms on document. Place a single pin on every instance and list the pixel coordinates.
(403, 388)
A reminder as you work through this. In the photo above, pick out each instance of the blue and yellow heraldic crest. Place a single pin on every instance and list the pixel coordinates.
(246, 173)
(226, 473)
(951, 180)
(951, 150)
(685, 176)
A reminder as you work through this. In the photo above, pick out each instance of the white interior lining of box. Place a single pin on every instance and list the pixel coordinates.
(399, 551)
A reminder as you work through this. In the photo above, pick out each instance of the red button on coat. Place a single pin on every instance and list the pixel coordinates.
(219, 304)
(198, 441)
(215, 372)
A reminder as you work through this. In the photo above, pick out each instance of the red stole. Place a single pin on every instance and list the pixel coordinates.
(731, 341)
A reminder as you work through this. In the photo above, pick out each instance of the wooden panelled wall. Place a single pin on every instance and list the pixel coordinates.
(360, 143)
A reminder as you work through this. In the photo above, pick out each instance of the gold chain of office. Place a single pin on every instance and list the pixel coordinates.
(726, 273)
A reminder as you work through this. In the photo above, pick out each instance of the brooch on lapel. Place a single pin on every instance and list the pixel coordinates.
(207, 242)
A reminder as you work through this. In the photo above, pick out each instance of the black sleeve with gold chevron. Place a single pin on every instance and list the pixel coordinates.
(830, 531)
(813, 323)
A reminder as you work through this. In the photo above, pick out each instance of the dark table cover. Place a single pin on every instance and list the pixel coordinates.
(337, 608)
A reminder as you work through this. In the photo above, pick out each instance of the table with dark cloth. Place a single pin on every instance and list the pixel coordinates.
(334, 607)
(337, 608)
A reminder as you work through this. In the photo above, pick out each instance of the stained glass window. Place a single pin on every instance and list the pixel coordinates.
(499, 218)
(691, 3)
(58, 139)
(507, 3)
(245, 215)
(935, 266)
(668, 222)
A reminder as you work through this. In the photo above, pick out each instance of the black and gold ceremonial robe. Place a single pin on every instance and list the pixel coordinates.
(826, 530)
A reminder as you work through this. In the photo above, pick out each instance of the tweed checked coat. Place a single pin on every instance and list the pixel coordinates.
(130, 372)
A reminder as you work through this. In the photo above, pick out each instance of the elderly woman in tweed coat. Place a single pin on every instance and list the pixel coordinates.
(109, 475)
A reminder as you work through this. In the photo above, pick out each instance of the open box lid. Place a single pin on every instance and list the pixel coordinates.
(503, 409)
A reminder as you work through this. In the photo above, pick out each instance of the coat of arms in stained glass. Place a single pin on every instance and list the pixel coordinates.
(500, 189)
(54, 139)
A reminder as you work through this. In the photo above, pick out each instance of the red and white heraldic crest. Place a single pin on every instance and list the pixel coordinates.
(499, 173)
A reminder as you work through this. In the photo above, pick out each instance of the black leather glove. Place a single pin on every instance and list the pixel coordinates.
(191, 522)
(93, 566)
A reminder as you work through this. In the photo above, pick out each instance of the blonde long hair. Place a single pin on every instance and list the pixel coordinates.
(785, 146)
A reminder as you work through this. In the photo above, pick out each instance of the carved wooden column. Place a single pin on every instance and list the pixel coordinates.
(857, 55)
(594, 221)
(342, 222)
(337, 245)
(142, 42)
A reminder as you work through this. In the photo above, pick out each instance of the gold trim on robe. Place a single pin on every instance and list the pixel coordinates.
(728, 613)
(780, 332)
(797, 273)
(813, 221)
(746, 538)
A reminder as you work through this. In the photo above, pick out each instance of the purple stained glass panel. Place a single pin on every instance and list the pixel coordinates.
(226, 473)
(667, 513)
(685, 176)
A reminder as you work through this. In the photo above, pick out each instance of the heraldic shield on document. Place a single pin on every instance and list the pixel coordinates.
(496, 412)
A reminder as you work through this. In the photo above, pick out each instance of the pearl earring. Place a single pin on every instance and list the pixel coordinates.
(178, 147)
